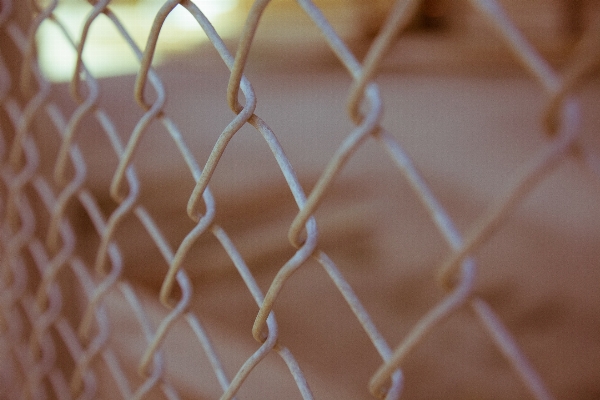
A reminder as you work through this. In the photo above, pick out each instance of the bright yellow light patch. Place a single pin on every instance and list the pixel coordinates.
(106, 53)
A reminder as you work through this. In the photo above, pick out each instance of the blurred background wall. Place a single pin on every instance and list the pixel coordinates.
(445, 34)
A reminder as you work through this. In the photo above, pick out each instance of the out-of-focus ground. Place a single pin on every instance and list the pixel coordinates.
(467, 126)
(468, 135)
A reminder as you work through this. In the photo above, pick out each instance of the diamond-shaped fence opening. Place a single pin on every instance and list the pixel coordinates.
(300, 211)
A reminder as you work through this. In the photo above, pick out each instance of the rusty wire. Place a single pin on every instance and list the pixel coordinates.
(28, 360)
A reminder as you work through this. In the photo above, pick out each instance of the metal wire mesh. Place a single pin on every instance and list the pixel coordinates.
(59, 290)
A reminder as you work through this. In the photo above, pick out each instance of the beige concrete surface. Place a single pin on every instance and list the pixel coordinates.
(467, 133)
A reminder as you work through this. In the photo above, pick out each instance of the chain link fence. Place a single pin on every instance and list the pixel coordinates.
(76, 323)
